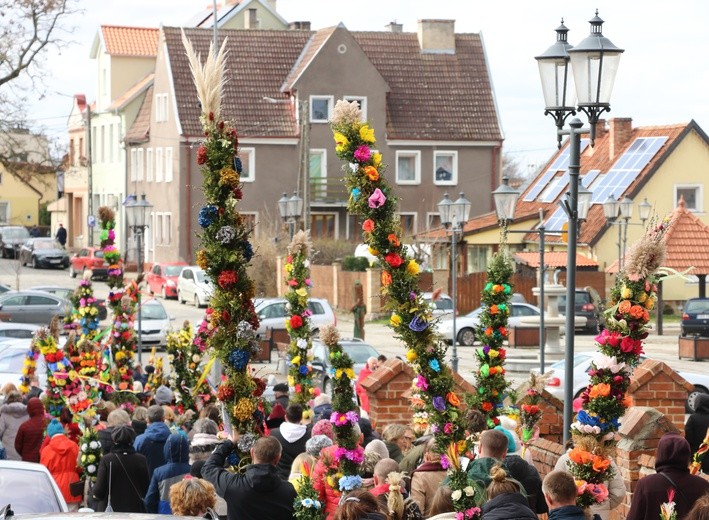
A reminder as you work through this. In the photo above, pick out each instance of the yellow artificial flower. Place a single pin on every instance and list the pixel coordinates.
(338, 373)
(302, 292)
(341, 141)
(288, 268)
(626, 293)
(376, 159)
(350, 373)
(650, 303)
(291, 381)
(412, 267)
(411, 356)
(493, 353)
(366, 133)
(395, 320)
(295, 360)
(372, 251)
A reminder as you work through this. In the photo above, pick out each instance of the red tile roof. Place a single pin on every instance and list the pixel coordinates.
(552, 259)
(474, 225)
(130, 41)
(265, 62)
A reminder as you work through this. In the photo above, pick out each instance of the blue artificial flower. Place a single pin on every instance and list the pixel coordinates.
(207, 215)
(239, 359)
(418, 324)
(232, 459)
(439, 403)
(248, 250)
(435, 365)
(350, 482)
(303, 370)
(307, 502)
(237, 165)
(355, 193)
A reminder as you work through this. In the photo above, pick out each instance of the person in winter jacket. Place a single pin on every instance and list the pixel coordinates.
(560, 491)
(152, 442)
(672, 466)
(60, 457)
(177, 454)
(524, 473)
(204, 439)
(258, 493)
(504, 500)
(292, 436)
(427, 478)
(128, 473)
(12, 414)
(695, 430)
(118, 417)
(31, 432)
(322, 407)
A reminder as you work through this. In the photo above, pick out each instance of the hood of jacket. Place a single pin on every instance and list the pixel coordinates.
(177, 448)
(158, 431)
(701, 404)
(292, 432)
(673, 452)
(263, 477)
(61, 445)
(508, 505)
(35, 407)
(14, 409)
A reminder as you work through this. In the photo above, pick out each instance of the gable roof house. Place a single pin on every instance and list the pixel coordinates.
(657, 164)
(428, 96)
(243, 14)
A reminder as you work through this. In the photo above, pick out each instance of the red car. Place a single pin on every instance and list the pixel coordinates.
(89, 258)
(162, 278)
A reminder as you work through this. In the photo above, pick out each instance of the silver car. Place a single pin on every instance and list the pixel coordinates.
(154, 323)
(32, 307)
(272, 314)
(29, 489)
(466, 325)
(194, 286)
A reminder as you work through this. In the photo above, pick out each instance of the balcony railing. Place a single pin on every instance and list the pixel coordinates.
(328, 191)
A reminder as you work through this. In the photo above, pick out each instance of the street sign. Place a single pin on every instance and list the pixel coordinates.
(565, 232)
(91, 221)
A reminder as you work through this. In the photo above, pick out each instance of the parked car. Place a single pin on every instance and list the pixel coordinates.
(695, 317)
(441, 306)
(17, 330)
(587, 305)
(357, 349)
(193, 286)
(11, 239)
(582, 364)
(43, 252)
(4, 288)
(67, 293)
(29, 489)
(467, 325)
(88, 258)
(272, 314)
(32, 307)
(162, 278)
(155, 323)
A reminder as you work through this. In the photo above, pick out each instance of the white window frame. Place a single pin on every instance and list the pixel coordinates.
(149, 166)
(362, 104)
(430, 215)
(141, 164)
(167, 229)
(158, 164)
(251, 154)
(416, 154)
(169, 163)
(158, 229)
(5, 215)
(256, 222)
(160, 108)
(330, 105)
(688, 186)
(409, 213)
(110, 144)
(454, 167)
(133, 164)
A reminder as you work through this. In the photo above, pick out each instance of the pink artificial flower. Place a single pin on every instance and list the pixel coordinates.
(581, 486)
(421, 382)
(377, 199)
(599, 492)
(362, 153)
(614, 339)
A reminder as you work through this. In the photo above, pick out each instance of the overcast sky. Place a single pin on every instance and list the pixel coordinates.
(663, 76)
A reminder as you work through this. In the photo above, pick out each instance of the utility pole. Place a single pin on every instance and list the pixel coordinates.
(304, 174)
(90, 161)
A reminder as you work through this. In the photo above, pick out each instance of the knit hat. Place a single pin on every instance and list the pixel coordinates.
(137, 386)
(317, 443)
(163, 395)
(511, 445)
(123, 435)
(54, 428)
(323, 427)
(321, 399)
(377, 446)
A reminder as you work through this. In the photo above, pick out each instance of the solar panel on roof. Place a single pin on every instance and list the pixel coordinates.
(558, 218)
(626, 169)
(560, 163)
(587, 179)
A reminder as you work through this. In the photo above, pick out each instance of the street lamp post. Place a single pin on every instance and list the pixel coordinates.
(618, 213)
(594, 63)
(137, 213)
(454, 215)
(290, 209)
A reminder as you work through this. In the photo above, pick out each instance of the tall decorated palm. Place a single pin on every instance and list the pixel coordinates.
(226, 252)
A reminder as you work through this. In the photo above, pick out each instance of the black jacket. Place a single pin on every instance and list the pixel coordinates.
(290, 450)
(568, 513)
(528, 476)
(257, 494)
(129, 480)
(508, 506)
(696, 428)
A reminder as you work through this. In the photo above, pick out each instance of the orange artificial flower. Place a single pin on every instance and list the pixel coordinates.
(579, 456)
(636, 312)
(368, 225)
(498, 288)
(494, 309)
(393, 240)
(599, 390)
(453, 399)
(624, 306)
(488, 331)
(486, 406)
(371, 173)
(600, 464)
(646, 316)
(386, 278)
(627, 401)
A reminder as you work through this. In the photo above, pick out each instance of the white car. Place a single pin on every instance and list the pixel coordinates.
(17, 330)
(442, 306)
(272, 314)
(193, 286)
(467, 325)
(29, 489)
(582, 364)
(155, 323)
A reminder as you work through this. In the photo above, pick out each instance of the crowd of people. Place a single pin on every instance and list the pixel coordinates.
(156, 462)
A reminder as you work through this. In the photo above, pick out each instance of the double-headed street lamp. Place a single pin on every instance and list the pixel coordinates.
(594, 63)
(290, 209)
(454, 215)
(618, 213)
(137, 214)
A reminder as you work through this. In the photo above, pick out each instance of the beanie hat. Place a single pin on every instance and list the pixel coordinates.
(123, 435)
(377, 446)
(163, 395)
(321, 399)
(323, 427)
(511, 445)
(137, 386)
(54, 428)
(317, 443)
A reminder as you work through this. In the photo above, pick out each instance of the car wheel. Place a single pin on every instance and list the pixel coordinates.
(72, 273)
(163, 293)
(33, 263)
(196, 301)
(466, 337)
(179, 297)
(692, 398)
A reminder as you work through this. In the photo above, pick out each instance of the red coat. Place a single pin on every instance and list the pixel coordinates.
(361, 393)
(328, 496)
(60, 457)
(31, 432)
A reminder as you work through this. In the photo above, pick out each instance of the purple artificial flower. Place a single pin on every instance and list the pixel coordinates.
(412, 295)
(445, 463)
(421, 382)
(362, 153)
(352, 417)
(418, 324)
(439, 403)
(377, 199)
(486, 349)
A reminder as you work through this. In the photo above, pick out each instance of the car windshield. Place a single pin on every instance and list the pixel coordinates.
(12, 233)
(46, 244)
(443, 304)
(29, 491)
(578, 359)
(12, 360)
(697, 306)
(359, 353)
(98, 253)
(199, 275)
(173, 270)
(153, 312)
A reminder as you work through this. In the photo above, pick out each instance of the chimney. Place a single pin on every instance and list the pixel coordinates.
(299, 26)
(620, 129)
(395, 27)
(437, 36)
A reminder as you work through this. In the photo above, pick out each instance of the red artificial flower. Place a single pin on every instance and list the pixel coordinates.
(227, 279)
(296, 321)
(211, 116)
(225, 392)
(486, 406)
(368, 225)
(221, 125)
(226, 317)
(238, 195)
(260, 386)
(393, 259)
(201, 154)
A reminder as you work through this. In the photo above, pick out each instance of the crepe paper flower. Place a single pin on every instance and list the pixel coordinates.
(227, 279)
(355, 193)
(412, 267)
(599, 390)
(296, 321)
(349, 482)
(600, 464)
(377, 199)
(624, 307)
(393, 259)
(366, 133)
(393, 240)
(207, 215)
(368, 225)
(434, 365)
(395, 320)
(371, 173)
(363, 153)
(487, 406)
(386, 279)
(201, 155)
(599, 491)
(421, 382)
(411, 356)
(302, 292)
(239, 359)
(418, 324)
(626, 293)
(341, 142)
(453, 399)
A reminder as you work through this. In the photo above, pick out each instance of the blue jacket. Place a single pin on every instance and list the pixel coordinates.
(177, 454)
(151, 444)
(567, 513)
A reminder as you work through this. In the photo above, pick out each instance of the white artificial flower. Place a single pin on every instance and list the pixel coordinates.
(91, 469)
(196, 358)
(302, 343)
(469, 491)
(94, 445)
(456, 494)
(608, 363)
(306, 263)
(84, 447)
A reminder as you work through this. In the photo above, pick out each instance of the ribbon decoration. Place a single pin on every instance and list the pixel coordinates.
(699, 456)
(201, 379)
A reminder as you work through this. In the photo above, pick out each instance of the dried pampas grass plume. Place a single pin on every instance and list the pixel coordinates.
(208, 78)
(329, 335)
(346, 113)
(301, 244)
(106, 214)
